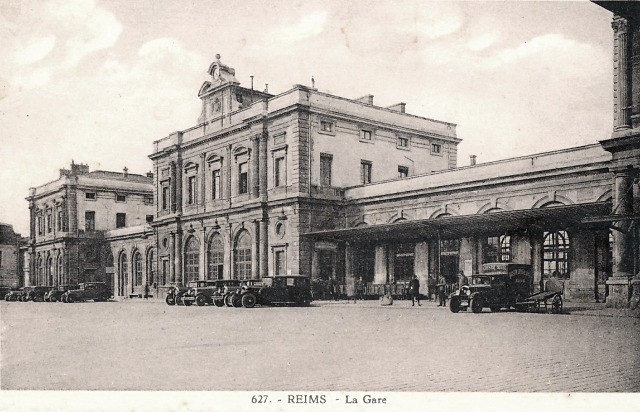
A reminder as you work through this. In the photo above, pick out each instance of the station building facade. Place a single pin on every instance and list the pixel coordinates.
(308, 183)
(69, 217)
(10, 258)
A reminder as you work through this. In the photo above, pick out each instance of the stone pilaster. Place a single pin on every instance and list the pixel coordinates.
(255, 256)
(621, 74)
(178, 257)
(254, 166)
(203, 179)
(380, 268)
(262, 158)
(264, 247)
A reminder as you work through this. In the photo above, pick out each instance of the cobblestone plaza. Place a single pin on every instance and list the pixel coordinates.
(331, 346)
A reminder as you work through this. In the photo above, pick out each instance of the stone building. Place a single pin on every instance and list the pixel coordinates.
(68, 220)
(10, 264)
(304, 182)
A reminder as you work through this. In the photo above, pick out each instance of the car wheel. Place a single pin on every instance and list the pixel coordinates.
(556, 304)
(454, 304)
(476, 304)
(219, 302)
(70, 299)
(236, 301)
(494, 308)
(201, 300)
(227, 299)
(170, 299)
(249, 300)
(53, 299)
(179, 300)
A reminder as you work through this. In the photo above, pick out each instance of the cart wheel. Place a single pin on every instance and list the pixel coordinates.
(556, 304)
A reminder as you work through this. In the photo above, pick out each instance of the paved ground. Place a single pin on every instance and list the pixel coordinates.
(331, 346)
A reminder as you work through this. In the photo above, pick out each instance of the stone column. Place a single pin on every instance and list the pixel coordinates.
(173, 185)
(178, 257)
(262, 168)
(172, 258)
(203, 178)
(380, 268)
(254, 167)
(350, 279)
(255, 256)
(264, 248)
(535, 239)
(421, 266)
(621, 77)
(228, 175)
(622, 238)
(203, 254)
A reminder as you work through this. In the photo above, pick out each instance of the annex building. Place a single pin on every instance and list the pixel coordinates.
(68, 220)
(305, 182)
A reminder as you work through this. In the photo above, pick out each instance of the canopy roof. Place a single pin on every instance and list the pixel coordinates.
(549, 218)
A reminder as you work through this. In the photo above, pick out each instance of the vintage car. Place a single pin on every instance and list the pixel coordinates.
(4, 290)
(13, 295)
(232, 292)
(500, 285)
(176, 292)
(24, 293)
(55, 295)
(96, 291)
(201, 292)
(277, 290)
(36, 293)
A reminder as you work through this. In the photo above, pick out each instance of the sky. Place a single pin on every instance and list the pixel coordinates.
(98, 81)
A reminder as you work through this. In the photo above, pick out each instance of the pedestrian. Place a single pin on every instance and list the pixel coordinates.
(442, 297)
(359, 290)
(462, 280)
(414, 291)
(146, 291)
(431, 286)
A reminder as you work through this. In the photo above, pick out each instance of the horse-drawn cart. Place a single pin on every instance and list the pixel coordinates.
(549, 299)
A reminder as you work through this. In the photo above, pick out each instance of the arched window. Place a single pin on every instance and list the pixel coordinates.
(123, 269)
(555, 257)
(60, 270)
(242, 256)
(137, 269)
(191, 260)
(497, 249)
(40, 276)
(215, 258)
(151, 267)
(49, 269)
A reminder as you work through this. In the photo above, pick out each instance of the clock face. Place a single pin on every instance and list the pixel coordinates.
(216, 73)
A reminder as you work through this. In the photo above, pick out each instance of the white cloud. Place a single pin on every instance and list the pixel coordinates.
(308, 26)
(32, 79)
(33, 50)
(482, 41)
(437, 19)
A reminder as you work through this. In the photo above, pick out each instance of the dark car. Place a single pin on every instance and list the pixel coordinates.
(13, 295)
(232, 292)
(24, 293)
(4, 290)
(176, 292)
(277, 290)
(500, 285)
(201, 293)
(225, 291)
(55, 295)
(36, 293)
(96, 291)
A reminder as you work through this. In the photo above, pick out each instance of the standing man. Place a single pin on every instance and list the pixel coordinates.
(359, 290)
(462, 280)
(414, 291)
(442, 298)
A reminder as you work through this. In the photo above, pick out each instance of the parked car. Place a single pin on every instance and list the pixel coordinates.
(4, 290)
(96, 291)
(177, 291)
(13, 295)
(500, 285)
(24, 293)
(232, 292)
(277, 290)
(200, 292)
(225, 290)
(55, 295)
(36, 293)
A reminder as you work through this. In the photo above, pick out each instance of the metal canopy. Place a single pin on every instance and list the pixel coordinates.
(550, 218)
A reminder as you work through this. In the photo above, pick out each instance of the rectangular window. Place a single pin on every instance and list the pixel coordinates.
(436, 148)
(243, 179)
(148, 200)
(149, 218)
(192, 187)
(216, 192)
(366, 135)
(165, 197)
(121, 198)
(280, 262)
(403, 142)
(89, 221)
(39, 219)
(0, 258)
(279, 175)
(365, 172)
(49, 225)
(326, 126)
(279, 139)
(326, 161)
(403, 171)
(60, 220)
(90, 196)
(121, 220)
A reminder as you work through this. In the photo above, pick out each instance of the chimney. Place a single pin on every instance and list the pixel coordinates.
(367, 99)
(472, 160)
(399, 107)
(125, 172)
